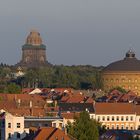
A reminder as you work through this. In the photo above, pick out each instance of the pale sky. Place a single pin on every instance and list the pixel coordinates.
(95, 32)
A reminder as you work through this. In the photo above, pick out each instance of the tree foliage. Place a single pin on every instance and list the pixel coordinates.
(77, 77)
(12, 88)
(122, 90)
(84, 128)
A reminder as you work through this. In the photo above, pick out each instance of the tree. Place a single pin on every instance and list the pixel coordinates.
(12, 88)
(84, 128)
(122, 90)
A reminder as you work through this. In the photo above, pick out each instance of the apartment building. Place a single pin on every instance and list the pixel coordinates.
(118, 115)
(12, 127)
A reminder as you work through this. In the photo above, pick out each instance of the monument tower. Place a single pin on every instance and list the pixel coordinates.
(33, 52)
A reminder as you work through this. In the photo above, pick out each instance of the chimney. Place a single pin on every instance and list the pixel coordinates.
(55, 103)
(31, 104)
(19, 102)
(31, 111)
(15, 97)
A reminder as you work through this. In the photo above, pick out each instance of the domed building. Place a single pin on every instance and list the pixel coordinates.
(124, 73)
(33, 52)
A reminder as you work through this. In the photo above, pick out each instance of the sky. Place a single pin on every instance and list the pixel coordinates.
(76, 32)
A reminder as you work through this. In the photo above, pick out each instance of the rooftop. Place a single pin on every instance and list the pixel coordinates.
(129, 63)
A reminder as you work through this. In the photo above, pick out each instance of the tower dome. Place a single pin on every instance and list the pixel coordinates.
(34, 38)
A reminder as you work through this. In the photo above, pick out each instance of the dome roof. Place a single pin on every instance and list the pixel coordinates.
(34, 38)
(129, 63)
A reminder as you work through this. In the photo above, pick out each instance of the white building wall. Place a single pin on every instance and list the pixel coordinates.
(128, 121)
(137, 122)
(13, 130)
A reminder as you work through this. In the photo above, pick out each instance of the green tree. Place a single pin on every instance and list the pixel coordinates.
(84, 128)
(12, 88)
(77, 77)
(122, 90)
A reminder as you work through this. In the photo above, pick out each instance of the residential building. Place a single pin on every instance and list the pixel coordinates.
(12, 127)
(118, 115)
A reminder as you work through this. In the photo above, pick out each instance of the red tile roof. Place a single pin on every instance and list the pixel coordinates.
(51, 133)
(70, 115)
(114, 108)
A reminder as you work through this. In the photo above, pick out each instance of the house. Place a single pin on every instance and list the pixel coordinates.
(12, 127)
(77, 108)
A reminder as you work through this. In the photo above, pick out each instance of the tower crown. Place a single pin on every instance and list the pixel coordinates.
(130, 54)
(34, 38)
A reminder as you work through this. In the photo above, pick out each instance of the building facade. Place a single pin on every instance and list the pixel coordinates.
(118, 115)
(124, 73)
(12, 127)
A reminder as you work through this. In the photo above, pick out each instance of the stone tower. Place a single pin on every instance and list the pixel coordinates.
(33, 51)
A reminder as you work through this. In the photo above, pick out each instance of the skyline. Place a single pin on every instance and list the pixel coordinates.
(75, 32)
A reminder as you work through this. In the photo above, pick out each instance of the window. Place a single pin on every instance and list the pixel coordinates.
(107, 126)
(9, 135)
(18, 135)
(117, 118)
(131, 127)
(126, 127)
(112, 118)
(9, 125)
(122, 118)
(103, 118)
(112, 126)
(117, 127)
(126, 118)
(108, 118)
(3, 123)
(131, 118)
(92, 117)
(46, 124)
(54, 124)
(18, 125)
(60, 124)
(139, 127)
(122, 127)
(98, 118)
